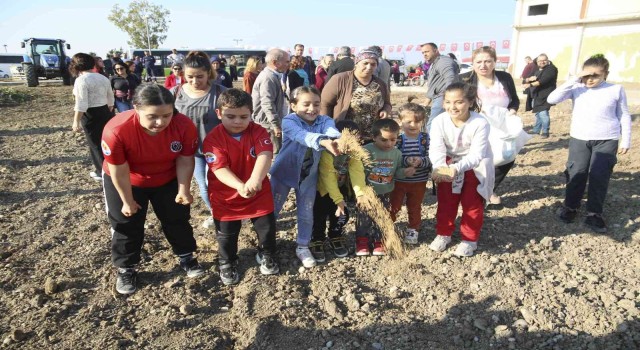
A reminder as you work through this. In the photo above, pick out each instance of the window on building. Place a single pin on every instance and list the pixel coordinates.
(538, 10)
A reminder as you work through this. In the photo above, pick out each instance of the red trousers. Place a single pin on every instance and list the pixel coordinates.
(414, 191)
(472, 208)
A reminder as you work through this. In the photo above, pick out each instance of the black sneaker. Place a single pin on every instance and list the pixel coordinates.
(317, 250)
(229, 273)
(596, 223)
(192, 267)
(126, 281)
(339, 247)
(567, 215)
(268, 265)
(545, 135)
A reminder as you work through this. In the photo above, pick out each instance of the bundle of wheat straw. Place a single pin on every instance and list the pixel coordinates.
(349, 143)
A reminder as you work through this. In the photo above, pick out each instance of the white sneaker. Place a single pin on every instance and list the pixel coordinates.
(411, 237)
(440, 243)
(208, 223)
(304, 254)
(95, 176)
(466, 248)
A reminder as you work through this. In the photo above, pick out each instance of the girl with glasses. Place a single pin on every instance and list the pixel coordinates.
(176, 78)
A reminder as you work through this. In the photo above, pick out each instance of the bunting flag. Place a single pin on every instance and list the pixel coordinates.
(505, 44)
(492, 44)
(310, 51)
(399, 48)
(478, 44)
(454, 47)
(467, 46)
(418, 47)
(443, 47)
(409, 47)
(391, 48)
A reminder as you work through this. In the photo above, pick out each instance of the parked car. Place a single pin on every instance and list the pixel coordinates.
(4, 74)
(464, 68)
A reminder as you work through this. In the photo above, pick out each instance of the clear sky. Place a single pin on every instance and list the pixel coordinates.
(324, 23)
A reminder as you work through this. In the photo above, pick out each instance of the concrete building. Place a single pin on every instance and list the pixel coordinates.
(570, 31)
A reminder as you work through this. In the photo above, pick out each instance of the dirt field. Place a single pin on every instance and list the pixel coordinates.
(535, 283)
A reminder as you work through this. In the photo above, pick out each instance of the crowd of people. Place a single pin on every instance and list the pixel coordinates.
(248, 148)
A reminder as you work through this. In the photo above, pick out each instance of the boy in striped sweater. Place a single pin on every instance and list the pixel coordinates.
(414, 146)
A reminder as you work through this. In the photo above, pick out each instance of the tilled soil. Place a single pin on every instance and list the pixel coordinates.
(535, 283)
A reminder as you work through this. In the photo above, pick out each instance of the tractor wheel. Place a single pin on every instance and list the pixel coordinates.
(66, 77)
(30, 74)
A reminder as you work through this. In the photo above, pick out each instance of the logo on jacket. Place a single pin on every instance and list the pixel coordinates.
(176, 146)
(210, 157)
(105, 148)
(252, 152)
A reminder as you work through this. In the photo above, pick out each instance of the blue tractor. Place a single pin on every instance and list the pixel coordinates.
(45, 58)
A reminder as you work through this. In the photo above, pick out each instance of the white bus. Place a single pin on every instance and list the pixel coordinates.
(7, 61)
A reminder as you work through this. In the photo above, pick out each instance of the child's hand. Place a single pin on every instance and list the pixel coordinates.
(253, 186)
(245, 193)
(443, 174)
(184, 198)
(414, 161)
(409, 171)
(340, 211)
(331, 146)
(623, 150)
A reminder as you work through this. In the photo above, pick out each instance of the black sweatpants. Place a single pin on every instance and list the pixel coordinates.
(324, 208)
(93, 122)
(128, 232)
(593, 161)
(227, 233)
(501, 172)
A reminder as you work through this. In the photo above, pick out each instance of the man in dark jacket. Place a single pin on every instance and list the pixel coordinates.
(149, 63)
(541, 85)
(343, 64)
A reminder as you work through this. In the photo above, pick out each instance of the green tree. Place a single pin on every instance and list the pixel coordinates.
(133, 21)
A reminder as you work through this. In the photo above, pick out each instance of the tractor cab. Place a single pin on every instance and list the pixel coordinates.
(45, 58)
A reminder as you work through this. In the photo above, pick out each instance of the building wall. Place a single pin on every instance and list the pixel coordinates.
(610, 27)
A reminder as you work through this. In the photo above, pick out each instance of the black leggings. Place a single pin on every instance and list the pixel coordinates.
(324, 208)
(227, 233)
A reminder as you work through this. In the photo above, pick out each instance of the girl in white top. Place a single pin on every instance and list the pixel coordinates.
(600, 128)
(463, 167)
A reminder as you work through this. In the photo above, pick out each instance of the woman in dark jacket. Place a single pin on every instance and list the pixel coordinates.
(495, 88)
(124, 84)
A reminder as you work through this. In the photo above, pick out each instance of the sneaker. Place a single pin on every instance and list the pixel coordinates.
(317, 250)
(545, 135)
(362, 246)
(192, 267)
(339, 247)
(567, 215)
(229, 273)
(95, 176)
(268, 265)
(208, 223)
(495, 200)
(440, 243)
(378, 249)
(466, 248)
(304, 254)
(411, 237)
(126, 281)
(596, 223)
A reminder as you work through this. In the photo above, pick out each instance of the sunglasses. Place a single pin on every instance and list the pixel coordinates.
(177, 68)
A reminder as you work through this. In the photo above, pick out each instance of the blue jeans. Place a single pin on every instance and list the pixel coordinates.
(200, 173)
(305, 198)
(436, 109)
(543, 122)
(123, 105)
